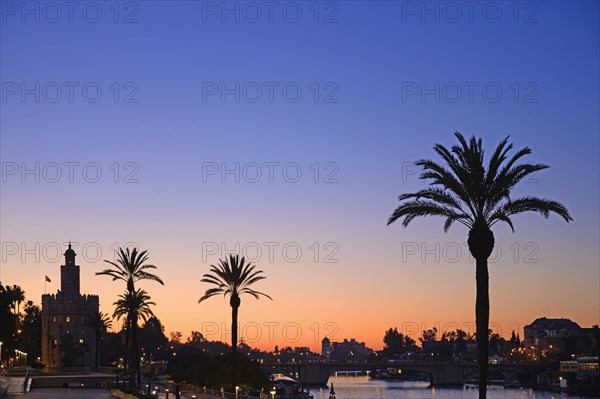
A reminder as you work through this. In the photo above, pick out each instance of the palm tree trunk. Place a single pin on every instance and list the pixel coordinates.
(136, 361)
(97, 363)
(18, 315)
(126, 343)
(234, 318)
(127, 351)
(482, 316)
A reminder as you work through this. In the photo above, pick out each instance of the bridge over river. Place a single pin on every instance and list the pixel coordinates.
(440, 373)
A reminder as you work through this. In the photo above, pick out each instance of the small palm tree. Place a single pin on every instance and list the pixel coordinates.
(133, 306)
(99, 323)
(130, 268)
(233, 278)
(465, 191)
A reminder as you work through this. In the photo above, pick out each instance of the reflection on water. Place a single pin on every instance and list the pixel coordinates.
(362, 387)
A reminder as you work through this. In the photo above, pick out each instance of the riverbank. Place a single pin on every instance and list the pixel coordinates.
(64, 393)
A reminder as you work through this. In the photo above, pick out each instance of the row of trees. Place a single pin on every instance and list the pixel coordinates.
(231, 277)
(447, 344)
(19, 330)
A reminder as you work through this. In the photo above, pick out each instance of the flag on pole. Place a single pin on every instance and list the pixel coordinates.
(48, 279)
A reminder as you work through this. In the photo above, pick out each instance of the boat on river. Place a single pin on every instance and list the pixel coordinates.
(285, 387)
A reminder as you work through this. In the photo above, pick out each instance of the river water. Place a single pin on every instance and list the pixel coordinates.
(362, 387)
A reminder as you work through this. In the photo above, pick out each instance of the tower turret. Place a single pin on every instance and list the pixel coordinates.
(69, 274)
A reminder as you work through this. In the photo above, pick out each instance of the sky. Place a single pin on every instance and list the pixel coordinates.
(285, 131)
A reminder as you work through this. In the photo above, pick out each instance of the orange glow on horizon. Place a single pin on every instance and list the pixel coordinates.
(301, 314)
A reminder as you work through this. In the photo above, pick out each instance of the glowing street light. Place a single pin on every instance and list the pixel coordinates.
(272, 394)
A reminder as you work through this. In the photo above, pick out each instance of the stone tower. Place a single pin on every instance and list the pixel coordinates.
(63, 313)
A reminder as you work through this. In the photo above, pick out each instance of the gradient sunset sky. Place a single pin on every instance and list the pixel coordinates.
(380, 83)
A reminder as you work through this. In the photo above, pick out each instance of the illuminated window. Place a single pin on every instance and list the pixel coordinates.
(68, 319)
(54, 319)
(54, 341)
(81, 340)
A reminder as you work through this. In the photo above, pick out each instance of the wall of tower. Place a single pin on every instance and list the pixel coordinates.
(63, 314)
(69, 279)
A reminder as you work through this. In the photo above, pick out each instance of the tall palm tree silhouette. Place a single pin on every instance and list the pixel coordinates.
(465, 191)
(233, 278)
(130, 267)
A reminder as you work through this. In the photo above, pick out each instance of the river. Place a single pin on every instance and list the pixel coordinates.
(362, 387)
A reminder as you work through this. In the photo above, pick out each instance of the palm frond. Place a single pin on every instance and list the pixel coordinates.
(131, 267)
(419, 208)
(232, 276)
(463, 190)
(534, 204)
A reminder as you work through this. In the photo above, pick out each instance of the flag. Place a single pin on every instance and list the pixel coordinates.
(48, 279)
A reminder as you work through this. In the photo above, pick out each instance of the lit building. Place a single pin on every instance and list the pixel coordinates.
(585, 367)
(544, 329)
(63, 313)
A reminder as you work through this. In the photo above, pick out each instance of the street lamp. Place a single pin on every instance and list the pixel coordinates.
(167, 393)
(272, 394)
(1, 352)
(237, 389)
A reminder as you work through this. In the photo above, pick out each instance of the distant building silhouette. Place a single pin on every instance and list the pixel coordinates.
(326, 349)
(350, 350)
(63, 313)
(544, 328)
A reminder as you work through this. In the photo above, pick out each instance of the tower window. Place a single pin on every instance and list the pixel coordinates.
(54, 319)
(68, 319)
(54, 342)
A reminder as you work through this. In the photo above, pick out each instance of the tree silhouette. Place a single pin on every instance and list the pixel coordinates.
(99, 323)
(31, 335)
(72, 350)
(10, 298)
(133, 306)
(463, 190)
(397, 343)
(233, 278)
(16, 295)
(429, 335)
(130, 268)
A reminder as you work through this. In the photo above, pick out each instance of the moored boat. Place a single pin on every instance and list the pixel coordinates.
(285, 387)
